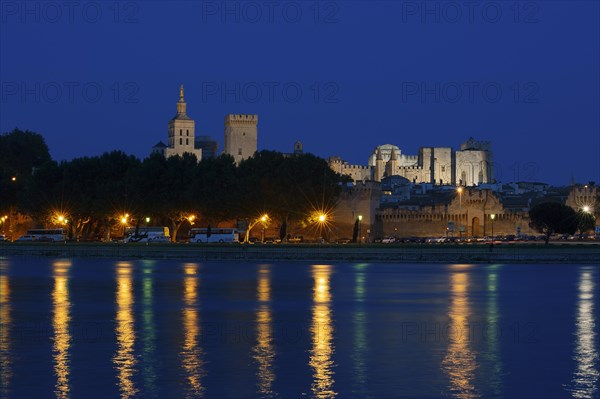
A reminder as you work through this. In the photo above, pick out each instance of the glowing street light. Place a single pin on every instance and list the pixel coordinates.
(14, 178)
(359, 229)
(147, 219)
(322, 218)
(587, 209)
(191, 219)
(492, 217)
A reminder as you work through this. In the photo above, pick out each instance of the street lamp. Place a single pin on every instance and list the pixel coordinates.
(359, 229)
(147, 220)
(586, 209)
(492, 217)
(459, 190)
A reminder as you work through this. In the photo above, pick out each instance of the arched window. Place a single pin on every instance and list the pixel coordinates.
(187, 141)
(187, 132)
(180, 141)
(181, 132)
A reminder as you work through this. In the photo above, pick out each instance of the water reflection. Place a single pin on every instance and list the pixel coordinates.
(149, 329)
(5, 322)
(585, 377)
(322, 334)
(264, 351)
(360, 331)
(493, 332)
(191, 353)
(125, 360)
(60, 324)
(460, 363)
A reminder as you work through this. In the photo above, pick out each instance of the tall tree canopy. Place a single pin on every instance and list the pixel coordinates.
(553, 218)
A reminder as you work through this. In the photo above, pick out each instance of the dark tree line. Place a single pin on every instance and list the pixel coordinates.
(95, 192)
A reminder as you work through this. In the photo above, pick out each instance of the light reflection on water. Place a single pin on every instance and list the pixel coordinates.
(158, 348)
(264, 349)
(492, 355)
(148, 360)
(5, 324)
(125, 360)
(61, 325)
(360, 331)
(191, 353)
(460, 361)
(585, 377)
(322, 334)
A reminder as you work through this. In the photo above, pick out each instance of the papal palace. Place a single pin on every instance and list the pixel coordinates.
(440, 191)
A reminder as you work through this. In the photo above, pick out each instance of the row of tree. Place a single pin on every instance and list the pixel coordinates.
(93, 193)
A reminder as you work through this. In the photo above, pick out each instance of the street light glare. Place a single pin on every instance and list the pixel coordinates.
(586, 209)
(493, 216)
(360, 217)
(322, 218)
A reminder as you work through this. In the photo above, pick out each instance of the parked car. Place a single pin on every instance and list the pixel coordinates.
(388, 240)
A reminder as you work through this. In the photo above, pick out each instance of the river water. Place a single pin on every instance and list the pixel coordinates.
(86, 328)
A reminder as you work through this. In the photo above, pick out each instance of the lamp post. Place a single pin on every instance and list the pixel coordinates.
(459, 190)
(492, 217)
(359, 229)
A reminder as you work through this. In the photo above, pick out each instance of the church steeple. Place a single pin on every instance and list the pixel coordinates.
(181, 105)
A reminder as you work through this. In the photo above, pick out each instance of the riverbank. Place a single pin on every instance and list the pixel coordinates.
(583, 254)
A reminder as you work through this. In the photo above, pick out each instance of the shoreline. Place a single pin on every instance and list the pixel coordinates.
(503, 253)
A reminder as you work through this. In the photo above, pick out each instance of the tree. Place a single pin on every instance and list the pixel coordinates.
(22, 154)
(552, 217)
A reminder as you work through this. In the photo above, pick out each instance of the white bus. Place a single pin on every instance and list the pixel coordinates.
(216, 235)
(147, 234)
(49, 235)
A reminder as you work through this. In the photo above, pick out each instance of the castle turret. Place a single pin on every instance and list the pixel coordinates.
(379, 165)
(391, 168)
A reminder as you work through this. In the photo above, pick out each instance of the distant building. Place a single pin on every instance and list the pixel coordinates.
(241, 136)
(208, 146)
(469, 166)
(181, 133)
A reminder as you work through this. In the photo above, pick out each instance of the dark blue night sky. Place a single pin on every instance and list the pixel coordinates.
(343, 77)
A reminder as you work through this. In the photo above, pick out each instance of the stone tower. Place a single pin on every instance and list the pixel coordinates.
(241, 136)
(181, 132)
(379, 165)
(391, 168)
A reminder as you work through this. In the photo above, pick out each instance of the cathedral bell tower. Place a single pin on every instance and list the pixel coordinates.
(182, 131)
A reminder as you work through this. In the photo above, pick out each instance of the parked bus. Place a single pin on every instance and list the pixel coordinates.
(50, 235)
(147, 234)
(216, 235)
